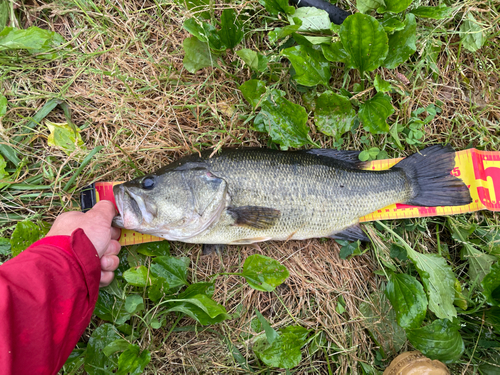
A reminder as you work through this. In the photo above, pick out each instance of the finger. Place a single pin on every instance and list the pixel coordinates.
(106, 278)
(113, 248)
(115, 233)
(104, 209)
(109, 263)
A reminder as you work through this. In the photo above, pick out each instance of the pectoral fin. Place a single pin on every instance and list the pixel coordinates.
(254, 216)
(352, 233)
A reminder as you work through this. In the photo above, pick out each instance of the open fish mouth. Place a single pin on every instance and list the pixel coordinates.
(130, 207)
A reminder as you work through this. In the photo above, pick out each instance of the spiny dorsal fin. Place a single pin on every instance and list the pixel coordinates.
(351, 158)
(254, 216)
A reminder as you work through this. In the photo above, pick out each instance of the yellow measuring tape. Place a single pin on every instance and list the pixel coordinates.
(480, 171)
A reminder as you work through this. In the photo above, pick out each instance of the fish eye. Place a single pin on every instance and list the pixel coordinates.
(148, 183)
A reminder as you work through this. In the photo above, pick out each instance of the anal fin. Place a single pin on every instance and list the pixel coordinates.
(257, 217)
(208, 249)
(352, 233)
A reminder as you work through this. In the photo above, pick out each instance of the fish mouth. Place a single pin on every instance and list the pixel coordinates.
(130, 213)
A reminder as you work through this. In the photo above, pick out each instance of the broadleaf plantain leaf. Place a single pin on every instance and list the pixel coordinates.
(252, 91)
(374, 112)
(394, 6)
(402, 43)
(365, 40)
(197, 55)
(312, 19)
(439, 340)
(283, 120)
(310, 65)
(491, 285)
(436, 13)
(408, 299)
(333, 114)
(231, 32)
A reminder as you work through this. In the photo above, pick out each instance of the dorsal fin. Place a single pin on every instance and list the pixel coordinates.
(351, 158)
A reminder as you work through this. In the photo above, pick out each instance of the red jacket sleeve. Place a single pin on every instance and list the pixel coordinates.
(47, 296)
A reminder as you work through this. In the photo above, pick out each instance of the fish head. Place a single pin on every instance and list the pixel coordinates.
(174, 204)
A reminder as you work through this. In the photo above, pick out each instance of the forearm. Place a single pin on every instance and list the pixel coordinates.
(47, 296)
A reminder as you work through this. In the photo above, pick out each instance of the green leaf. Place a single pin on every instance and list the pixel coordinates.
(335, 52)
(365, 40)
(24, 235)
(374, 112)
(438, 279)
(96, 362)
(333, 114)
(276, 7)
(32, 39)
(310, 65)
(3, 104)
(402, 43)
(280, 33)
(172, 270)
(436, 13)
(63, 137)
(381, 85)
(231, 32)
(300, 332)
(197, 6)
(116, 346)
(134, 303)
(392, 23)
(318, 40)
(111, 308)
(4, 246)
(349, 249)
(471, 34)
(398, 252)
(479, 263)
(380, 320)
(439, 340)
(365, 6)
(197, 288)
(313, 19)
(253, 59)
(252, 91)
(283, 120)
(408, 299)
(491, 285)
(138, 276)
(197, 55)
(201, 308)
(264, 273)
(4, 13)
(271, 334)
(3, 173)
(394, 6)
(284, 351)
(153, 249)
(460, 300)
(132, 361)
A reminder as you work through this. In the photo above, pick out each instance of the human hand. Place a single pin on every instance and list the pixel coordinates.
(96, 223)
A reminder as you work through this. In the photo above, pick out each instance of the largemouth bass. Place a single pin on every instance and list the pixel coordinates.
(243, 196)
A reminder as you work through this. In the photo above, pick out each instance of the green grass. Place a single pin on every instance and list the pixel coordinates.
(122, 76)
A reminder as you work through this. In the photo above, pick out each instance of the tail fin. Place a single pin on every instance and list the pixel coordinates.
(429, 174)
